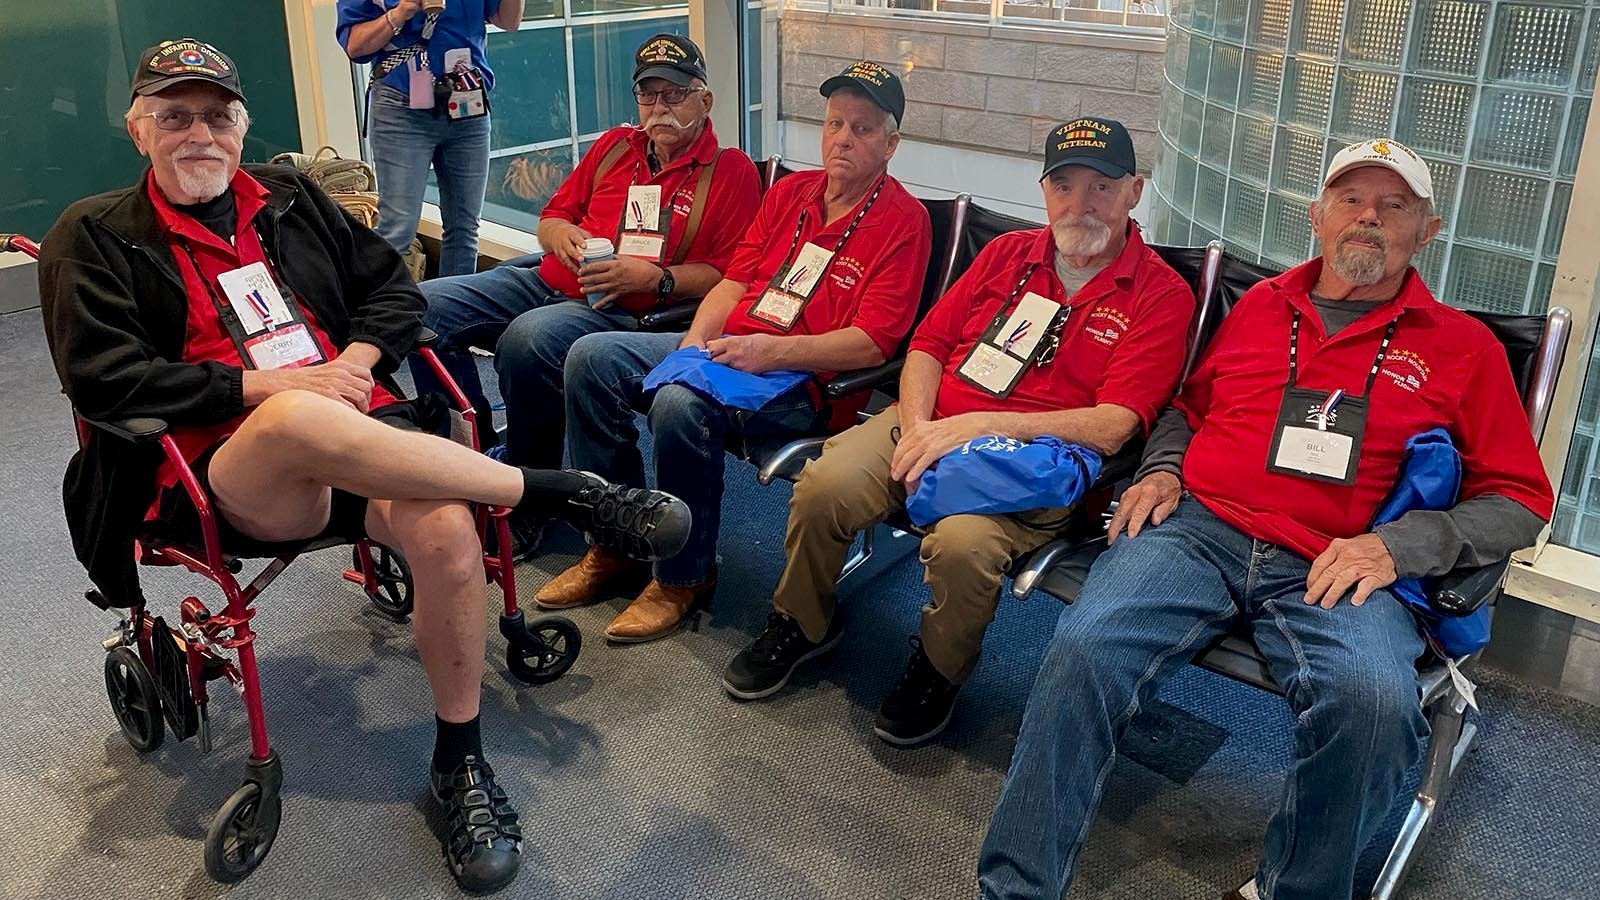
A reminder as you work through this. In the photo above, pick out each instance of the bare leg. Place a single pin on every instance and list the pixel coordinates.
(440, 540)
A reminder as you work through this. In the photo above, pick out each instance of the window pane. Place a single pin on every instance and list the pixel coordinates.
(530, 88)
(581, 7)
(602, 67)
(541, 9)
(521, 184)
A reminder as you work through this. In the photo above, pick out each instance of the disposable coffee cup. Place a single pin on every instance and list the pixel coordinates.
(597, 250)
(432, 5)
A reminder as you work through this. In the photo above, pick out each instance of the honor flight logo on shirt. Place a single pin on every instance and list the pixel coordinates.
(1406, 369)
(1106, 325)
(847, 272)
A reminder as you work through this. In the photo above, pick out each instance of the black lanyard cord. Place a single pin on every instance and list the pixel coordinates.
(850, 229)
(1377, 361)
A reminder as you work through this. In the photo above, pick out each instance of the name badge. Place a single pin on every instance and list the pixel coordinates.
(254, 296)
(792, 287)
(284, 348)
(420, 82)
(1002, 355)
(467, 99)
(1318, 435)
(642, 234)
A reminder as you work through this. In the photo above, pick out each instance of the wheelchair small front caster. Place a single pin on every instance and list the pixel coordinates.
(543, 651)
(392, 596)
(134, 699)
(241, 833)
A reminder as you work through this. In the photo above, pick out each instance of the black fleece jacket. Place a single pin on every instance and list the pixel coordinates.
(115, 314)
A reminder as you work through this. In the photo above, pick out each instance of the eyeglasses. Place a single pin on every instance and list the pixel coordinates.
(672, 96)
(1052, 342)
(217, 118)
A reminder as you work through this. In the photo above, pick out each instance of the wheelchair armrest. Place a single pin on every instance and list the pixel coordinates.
(426, 337)
(1464, 591)
(676, 317)
(525, 261)
(856, 381)
(780, 463)
(142, 430)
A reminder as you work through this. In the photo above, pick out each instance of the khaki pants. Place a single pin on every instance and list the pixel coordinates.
(847, 490)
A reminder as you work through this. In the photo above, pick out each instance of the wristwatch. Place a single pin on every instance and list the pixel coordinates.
(665, 285)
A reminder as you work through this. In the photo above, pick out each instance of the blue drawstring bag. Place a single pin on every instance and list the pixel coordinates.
(691, 367)
(995, 475)
(1430, 478)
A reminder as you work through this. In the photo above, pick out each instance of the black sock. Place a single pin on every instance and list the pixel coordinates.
(454, 742)
(545, 492)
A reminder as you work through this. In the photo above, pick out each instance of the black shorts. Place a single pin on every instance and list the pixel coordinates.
(178, 522)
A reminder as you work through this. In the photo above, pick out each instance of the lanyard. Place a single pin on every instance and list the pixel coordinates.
(1377, 361)
(850, 229)
(1051, 341)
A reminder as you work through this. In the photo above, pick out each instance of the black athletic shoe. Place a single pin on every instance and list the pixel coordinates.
(763, 668)
(482, 840)
(639, 523)
(920, 706)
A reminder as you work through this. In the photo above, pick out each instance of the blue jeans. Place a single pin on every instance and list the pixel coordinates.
(531, 358)
(405, 143)
(1150, 603)
(604, 378)
(474, 311)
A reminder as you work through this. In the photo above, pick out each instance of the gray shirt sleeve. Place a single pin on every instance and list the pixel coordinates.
(1476, 532)
(1169, 441)
(1423, 543)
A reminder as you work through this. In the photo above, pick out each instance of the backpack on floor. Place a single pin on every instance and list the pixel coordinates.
(352, 184)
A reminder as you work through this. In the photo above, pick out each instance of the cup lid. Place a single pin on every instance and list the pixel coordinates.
(597, 246)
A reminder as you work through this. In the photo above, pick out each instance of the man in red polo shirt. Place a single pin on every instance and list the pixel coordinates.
(1074, 331)
(1255, 501)
(826, 279)
(245, 309)
(672, 203)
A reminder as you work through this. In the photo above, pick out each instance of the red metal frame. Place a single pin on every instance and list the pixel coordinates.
(230, 629)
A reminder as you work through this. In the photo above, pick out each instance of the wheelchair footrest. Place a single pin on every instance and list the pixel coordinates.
(172, 681)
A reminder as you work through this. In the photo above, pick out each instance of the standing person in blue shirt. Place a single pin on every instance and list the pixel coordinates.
(429, 106)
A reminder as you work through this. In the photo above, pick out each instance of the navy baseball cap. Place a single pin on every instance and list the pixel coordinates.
(1100, 144)
(670, 56)
(876, 81)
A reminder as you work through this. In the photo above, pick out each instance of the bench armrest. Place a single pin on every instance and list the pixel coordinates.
(1464, 591)
(856, 381)
(677, 317)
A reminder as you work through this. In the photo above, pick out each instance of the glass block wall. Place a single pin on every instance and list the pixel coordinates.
(1494, 95)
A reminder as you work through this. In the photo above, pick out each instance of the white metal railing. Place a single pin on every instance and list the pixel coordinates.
(1147, 17)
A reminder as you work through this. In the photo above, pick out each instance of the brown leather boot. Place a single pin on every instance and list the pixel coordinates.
(585, 582)
(658, 611)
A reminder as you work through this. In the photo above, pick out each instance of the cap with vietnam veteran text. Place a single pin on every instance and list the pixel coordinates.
(173, 62)
(1100, 144)
(670, 56)
(876, 81)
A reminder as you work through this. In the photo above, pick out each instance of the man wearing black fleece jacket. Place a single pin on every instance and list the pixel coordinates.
(247, 311)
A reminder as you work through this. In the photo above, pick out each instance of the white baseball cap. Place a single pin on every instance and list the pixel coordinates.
(1388, 153)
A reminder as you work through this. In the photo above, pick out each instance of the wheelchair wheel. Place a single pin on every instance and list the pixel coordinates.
(393, 594)
(544, 651)
(133, 699)
(241, 833)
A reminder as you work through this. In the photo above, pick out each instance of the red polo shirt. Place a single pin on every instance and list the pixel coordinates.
(205, 337)
(1443, 369)
(1123, 342)
(735, 192)
(873, 282)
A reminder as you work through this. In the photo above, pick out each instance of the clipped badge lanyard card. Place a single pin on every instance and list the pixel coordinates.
(796, 281)
(1318, 433)
(1018, 337)
(643, 236)
(268, 331)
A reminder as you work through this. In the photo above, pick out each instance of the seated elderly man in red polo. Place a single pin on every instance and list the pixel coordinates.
(246, 309)
(1256, 503)
(1072, 333)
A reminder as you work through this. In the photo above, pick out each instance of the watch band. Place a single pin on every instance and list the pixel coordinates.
(666, 284)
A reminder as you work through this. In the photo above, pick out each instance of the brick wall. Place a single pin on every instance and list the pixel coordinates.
(998, 89)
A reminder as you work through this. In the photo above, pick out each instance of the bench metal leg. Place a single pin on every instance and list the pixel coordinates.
(1451, 735)
(862, 554)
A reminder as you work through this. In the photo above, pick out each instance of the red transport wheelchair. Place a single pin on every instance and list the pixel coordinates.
(156, 674)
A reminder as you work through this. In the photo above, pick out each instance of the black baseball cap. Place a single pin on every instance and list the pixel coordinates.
(172, 62)
(878, 82)
(1100, 144)
(670, 56)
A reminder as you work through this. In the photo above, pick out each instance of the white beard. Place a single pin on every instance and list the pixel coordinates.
(203, 182)
(1080, 237)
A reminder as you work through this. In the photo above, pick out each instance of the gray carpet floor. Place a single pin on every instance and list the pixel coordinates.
(637, 778)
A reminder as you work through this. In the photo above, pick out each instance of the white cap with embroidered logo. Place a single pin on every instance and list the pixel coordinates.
(1388, 153)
